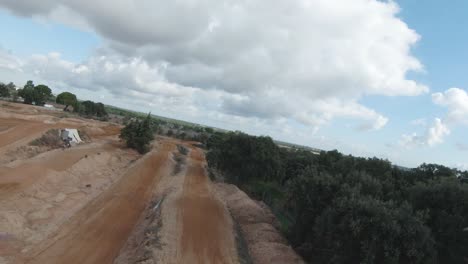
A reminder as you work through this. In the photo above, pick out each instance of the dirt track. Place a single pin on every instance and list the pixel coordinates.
(80, 205)
(95, 203)
(207, 235)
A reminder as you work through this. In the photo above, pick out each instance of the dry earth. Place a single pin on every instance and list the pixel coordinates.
(99, 202)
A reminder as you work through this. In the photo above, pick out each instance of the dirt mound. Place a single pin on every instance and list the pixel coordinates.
(257, 223)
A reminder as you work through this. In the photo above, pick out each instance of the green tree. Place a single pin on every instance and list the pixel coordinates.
(41, 94)
(4, 91)
(361, 229)
(138, 134)
(90, 108)
(67, 99)
(446, 203)
(100, 110)
(87, 108)
(27, 93)
(35, 94)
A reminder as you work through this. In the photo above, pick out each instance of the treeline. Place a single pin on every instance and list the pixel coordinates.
(336, 208)
(41, 94)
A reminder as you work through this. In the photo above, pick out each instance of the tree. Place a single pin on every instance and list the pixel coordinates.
(87, 108)
(100, 110)
(446, 203)
(360, 229)
(35, 94)
(41, 94)
(90, 108)
(67, 99)
(27, 93)
(4, 92)
(138, 134)
(11, 86)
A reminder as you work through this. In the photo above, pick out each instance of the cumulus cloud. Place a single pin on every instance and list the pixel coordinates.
(456, 102)
(310, 61)
(435, 135)
(437, 132)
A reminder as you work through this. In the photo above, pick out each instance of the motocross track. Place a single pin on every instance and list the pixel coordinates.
(81, 205)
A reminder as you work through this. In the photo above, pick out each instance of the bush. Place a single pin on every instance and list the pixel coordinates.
(138, 134)
(50, 139)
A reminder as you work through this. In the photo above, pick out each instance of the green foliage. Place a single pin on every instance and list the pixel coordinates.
(41, 94)
(4, 91)
(67, 99)
(138, 134)
(446, 203)
(27, 92)
(245, 158)
(342, 209)
(90, 109)
(35, 94)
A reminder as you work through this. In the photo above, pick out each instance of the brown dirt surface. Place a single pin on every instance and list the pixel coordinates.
(106, 223)
(96, 202)
(193, 225)
(257, 223)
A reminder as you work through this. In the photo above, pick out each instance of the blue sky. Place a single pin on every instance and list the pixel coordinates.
(146, 64)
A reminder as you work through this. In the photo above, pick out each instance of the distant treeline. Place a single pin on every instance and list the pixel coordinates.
(342, 209)
(41, 94)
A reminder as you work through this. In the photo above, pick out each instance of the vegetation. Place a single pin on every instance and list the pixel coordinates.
(138, 134)
(343, 209)
(50, 139)
(35, 94)
(4, 91)
(67, 99)
(91, 109)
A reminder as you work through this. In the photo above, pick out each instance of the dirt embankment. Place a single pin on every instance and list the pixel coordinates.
(264, 242)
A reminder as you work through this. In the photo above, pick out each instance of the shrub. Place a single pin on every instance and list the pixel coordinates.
(50, 139)
(138, 134)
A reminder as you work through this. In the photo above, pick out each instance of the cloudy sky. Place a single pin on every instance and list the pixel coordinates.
(367, 77)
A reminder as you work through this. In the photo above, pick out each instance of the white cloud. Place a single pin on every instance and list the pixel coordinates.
(411, 141)
(9, 62)
(310, 61)
(437, 132)
(435, 135)
(456, 101)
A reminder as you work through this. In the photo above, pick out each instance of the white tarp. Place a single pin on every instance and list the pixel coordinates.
(72, 134)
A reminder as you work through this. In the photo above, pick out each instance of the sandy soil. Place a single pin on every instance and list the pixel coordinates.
(193, 225)
(41, 195)
(102, 203)
(257, 223)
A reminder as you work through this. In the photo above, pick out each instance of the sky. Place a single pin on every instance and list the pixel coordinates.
(366, 77)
